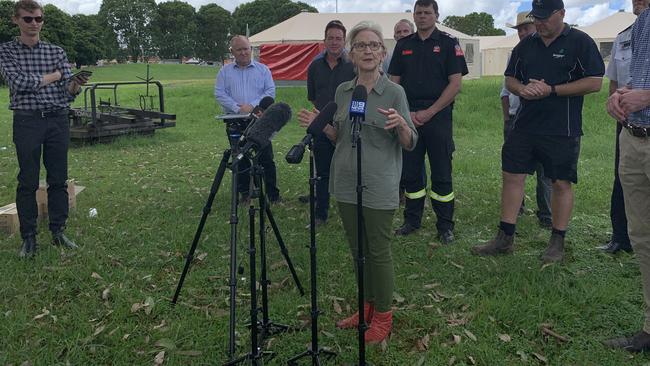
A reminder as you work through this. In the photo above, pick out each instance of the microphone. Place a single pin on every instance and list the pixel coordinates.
(260, 108)
(260, 135)
(294, 156)
(358, 111)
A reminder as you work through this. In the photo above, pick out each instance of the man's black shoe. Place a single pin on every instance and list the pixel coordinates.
(640, 342)
(613, 247)
(406, 229)
(59, 239)
(28, 249)
(446, 237)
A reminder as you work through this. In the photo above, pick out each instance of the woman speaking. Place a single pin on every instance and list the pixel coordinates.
(386, 130)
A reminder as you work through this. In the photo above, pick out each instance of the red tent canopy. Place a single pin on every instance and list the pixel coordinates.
(289, 61)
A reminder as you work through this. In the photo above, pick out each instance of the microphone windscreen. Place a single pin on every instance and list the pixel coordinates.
(273, 119)
(358, 102)
(265, 103)
(325, 116)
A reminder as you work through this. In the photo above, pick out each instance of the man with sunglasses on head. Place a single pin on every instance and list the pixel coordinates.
(41, 88)
(550, 71)
(429, 64)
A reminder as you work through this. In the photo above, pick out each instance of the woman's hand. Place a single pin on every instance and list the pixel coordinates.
(394, 119)
(305, 117)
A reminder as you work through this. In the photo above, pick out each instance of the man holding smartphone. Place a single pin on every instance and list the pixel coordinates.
(41, 89)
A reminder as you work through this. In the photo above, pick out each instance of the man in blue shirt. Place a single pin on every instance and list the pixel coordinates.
(239, 88)
(630, 106)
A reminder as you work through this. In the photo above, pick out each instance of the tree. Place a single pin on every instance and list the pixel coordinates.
(214, 24)
(474, 24)
(58, 30)
(130, 22)
(88, 39)
(263, 14)
(174, 29)
(8, 29)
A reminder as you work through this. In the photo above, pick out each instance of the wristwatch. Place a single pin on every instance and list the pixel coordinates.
(553, 92)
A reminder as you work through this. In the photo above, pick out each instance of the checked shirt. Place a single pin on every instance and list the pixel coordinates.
(23, 68)
(640, 66)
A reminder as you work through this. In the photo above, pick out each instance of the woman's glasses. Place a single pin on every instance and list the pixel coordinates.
(361, 46)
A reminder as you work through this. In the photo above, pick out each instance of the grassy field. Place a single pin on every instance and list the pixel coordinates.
(85, 307)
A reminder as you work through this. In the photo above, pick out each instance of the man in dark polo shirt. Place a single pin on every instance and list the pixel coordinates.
(41, 88)
(430, 65)
(324, 75)
(550, 71)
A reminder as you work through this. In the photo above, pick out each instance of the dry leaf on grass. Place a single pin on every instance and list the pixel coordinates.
(106, 294)
(470, 335)
(337, 307)
(398, 298)
(99, 330)
(430, 286)
(471, 360)
(540, 357)
(44, 313)
(505, 338)
(522, 355)
(456, 265)
(162, 324)
(547, 332)
(456, 339)
(422, 344)
(452, 360)
(159, 359)
(201, 257)
(96, 276)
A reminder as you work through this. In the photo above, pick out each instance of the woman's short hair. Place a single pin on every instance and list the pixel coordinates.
(365, 26)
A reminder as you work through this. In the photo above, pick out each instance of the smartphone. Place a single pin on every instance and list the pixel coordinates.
(84, 73)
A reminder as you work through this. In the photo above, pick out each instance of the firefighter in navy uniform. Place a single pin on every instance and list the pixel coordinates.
(429, 64)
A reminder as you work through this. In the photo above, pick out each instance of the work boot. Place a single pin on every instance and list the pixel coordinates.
(28, 249)
(501, 244)
(58, 239)
(640, 342)
(555, 250)
(406, 229)
(446, 237)
(353, 321)
(380, 327)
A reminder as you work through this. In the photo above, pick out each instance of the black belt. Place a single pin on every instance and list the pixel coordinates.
(40, 114)
(637, 131)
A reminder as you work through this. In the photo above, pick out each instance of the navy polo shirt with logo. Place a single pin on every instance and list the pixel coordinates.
(424, 66)
(571, 57)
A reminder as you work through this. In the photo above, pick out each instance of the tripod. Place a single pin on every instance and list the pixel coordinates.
(361, 259)
(216, 183)
(314, 352)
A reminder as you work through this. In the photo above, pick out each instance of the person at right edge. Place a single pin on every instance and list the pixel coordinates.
(630, 106)
(618, 73)
(550, 71)
(429, 64)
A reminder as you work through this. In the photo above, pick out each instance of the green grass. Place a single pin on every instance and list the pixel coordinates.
(131, 72)
(149, 193)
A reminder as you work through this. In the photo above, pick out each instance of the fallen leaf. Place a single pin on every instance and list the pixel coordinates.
(398, 298)
(456, 339)
(470, 335)
(159, 359)
(504, 337)
(96, 276)
(337, 307)
(327, 334)
(414, 276)
(106, 294)
(452, 360)
(456, 265)
(44, 313)
(431, 285)
(540, 357)
(126, 336)
(99, 330)
(162, 324)
(522, 355)
(165, 343)
(201, 257)
(135, 307)
(148, 305)
(422, 344)
(471, 360)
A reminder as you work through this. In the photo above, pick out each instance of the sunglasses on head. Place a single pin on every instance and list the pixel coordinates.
(30, 19)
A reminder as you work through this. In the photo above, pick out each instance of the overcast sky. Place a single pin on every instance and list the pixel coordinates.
(581, 12)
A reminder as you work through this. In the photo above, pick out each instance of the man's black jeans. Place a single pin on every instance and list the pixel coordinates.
(35, 135)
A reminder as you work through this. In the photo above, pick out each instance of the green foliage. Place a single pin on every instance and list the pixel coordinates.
(174, 29)
(130, 22)
(474, 24)
(212, 33)
(88, 39)
(8, 29)
(263, 14)
(58, 29)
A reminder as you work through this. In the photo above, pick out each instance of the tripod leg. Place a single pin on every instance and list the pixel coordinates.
(284, 250)
(206, 211)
